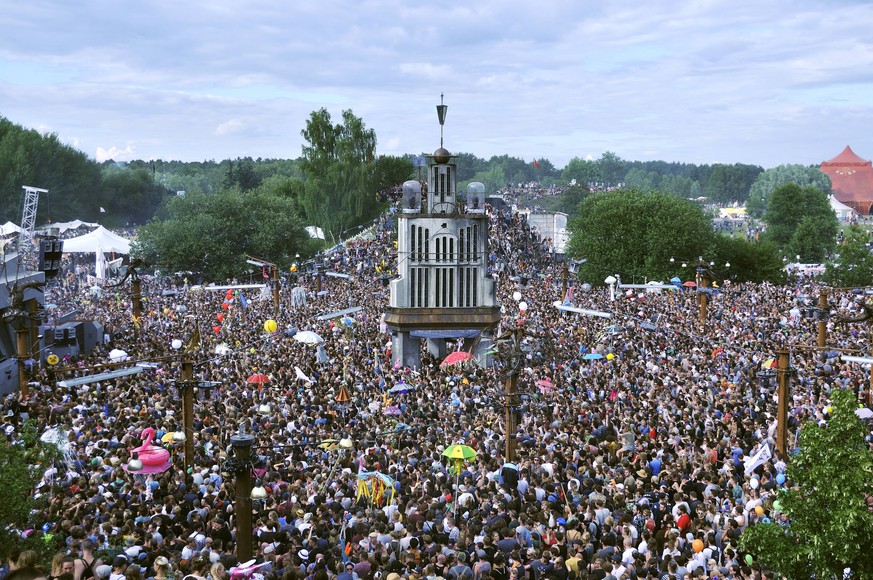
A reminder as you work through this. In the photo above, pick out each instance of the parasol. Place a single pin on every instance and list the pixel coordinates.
(456, 358)
(545, 385)
(328, 444)
(372, 486)
(459, 452)
(593, 356)
(864, 413)
(308, 337)
(393, 410)
(401, 388)
(690, 284)
(258, 378)
(769, 363)
(117, 355)
(343, 396)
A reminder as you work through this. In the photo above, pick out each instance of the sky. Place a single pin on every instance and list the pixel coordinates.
(710, 81)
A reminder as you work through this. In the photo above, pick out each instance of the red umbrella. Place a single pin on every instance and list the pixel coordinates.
(258, 378)
(690, 284)
(456, 358)
(343, 396)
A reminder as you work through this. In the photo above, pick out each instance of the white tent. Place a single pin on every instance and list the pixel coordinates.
(843, 211)
(9, 228)
(100, 239)
(66, 226)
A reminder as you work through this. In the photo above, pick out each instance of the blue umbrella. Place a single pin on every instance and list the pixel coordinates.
(593, 356)
(676, 280)
(401, 388)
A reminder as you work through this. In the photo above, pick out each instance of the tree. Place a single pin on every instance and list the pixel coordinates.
(584, 171)
(128, 195)
(635, 233)
(768, 181)
(792, 206)
(830, 529)
(853, 266)
(22, 464)
(389, 170)
(338, 161)
(213, 233)
(730, 183)
(612, 167)
(750, 261)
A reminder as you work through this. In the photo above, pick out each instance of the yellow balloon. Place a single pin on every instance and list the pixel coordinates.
(166, 310)
(52, 359)
(271, 325)
(252, 350)
(610, 356)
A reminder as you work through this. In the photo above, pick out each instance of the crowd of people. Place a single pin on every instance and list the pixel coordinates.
(633, 440)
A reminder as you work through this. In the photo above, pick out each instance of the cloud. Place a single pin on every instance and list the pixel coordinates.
(115, 154)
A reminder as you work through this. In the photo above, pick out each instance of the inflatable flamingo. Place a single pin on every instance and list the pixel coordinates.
(148, 454)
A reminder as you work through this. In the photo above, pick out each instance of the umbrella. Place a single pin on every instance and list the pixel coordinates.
(456, 358)
(676, 280)
(459, 452)
(117, 355)
(51, 306)
(321, 293)
(347, 320)
(308, 337)
(769, 363)
(328, 444)
(864, 413)
(593, 356)
(690, 284)
(258, 378)
(343, 396)
(401, 388)
(392, 410)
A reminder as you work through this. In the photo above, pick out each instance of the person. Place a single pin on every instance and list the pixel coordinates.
(85, 567)
(460, 571)
(119, 568)
(162, 570)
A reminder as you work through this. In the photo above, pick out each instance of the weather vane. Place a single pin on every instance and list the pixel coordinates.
(441, 114)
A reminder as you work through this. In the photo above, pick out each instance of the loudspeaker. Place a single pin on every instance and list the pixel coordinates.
(50, 254)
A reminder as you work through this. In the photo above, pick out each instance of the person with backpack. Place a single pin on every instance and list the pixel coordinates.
(84, 568)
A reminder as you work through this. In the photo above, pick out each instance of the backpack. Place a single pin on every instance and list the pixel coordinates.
(88, 573)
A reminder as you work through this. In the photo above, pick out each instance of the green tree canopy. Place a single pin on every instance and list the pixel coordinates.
(768, 181)
(853, 266)
(584, 171)
(213, 233)
(636, 233)
(830, 527)
(730, 183)
(800, 221)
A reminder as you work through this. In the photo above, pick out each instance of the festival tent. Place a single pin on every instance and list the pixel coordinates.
(100, 239)
(843, 211)
(9, 228)
(66, 226)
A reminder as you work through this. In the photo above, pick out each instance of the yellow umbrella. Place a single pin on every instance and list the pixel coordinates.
(168, 437)
(459, 452)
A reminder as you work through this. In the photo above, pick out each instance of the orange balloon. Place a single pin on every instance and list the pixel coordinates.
(697, 545)
(759, 510)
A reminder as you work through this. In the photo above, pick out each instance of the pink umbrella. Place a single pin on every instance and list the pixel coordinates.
(545, 385)
(456, 358)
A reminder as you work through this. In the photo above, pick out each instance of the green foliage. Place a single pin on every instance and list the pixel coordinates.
(635, 234)
(800, 221)
(389, 170)
(729, 183)
(127, 195)
(213, 233)
(494, 179)
(749, 261)
(567, 201)
(22, 464)
(831, 528)
(339, 164)
(854, 264)
(768, 181)
(613, 168)
(584, 171)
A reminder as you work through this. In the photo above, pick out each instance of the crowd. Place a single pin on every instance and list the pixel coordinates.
(631, 464)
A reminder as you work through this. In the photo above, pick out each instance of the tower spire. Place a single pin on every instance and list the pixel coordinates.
(441, 115)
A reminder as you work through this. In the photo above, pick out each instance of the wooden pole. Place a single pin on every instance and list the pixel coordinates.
(823, 322)
(275, 291)
(782, 373)
(702, 297)
(564, 272)
(242, 447)
(22, 336)
(188, 411)
(137, 303)
(511, 382)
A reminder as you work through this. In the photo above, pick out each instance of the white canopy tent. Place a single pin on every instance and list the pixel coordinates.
(98, 242)
(100, 239)
(9, 228)
(66, 226)
(843, 211)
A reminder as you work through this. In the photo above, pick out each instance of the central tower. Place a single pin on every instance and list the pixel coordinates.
(443, 290)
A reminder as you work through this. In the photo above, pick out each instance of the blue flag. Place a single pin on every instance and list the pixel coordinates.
(243, 301)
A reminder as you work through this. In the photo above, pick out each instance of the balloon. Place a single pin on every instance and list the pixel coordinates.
(683, 521)
(780, 478)
(220, 316)
(271, 326)
(176, 344)
(166, 310)
(777, 505)
(749, 559)
(52, 359)
(216, 329)
(759, 510)
(252, 350)
(610, 356)
(753, 483)
(697, 545)
(293, 268)
(229, 294)
(225, 306)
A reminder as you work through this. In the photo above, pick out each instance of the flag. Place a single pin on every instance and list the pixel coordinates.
(102, 210)
(763, 455)
(536, 164)
(243, 301)
(568, 299)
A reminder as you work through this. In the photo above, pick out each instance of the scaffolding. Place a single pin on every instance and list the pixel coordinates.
(28, 218)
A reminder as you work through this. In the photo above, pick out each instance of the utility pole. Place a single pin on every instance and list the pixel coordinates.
(242, 444)
(22, 336)
(564, 275)
(187, 387)
(511, 427)
(275, 291)
(823, 318)
(782, 376)
(702, 294)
